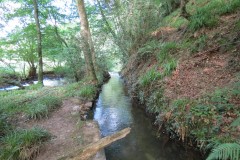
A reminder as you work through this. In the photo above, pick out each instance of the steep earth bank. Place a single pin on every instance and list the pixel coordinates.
(190, 81)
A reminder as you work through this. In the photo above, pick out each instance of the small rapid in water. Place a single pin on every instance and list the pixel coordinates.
(114, 112)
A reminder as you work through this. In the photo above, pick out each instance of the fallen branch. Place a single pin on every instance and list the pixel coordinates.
(91, 149)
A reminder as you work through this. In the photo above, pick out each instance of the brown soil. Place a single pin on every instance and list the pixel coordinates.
(198, 76)
(68, 132)
(214, 67)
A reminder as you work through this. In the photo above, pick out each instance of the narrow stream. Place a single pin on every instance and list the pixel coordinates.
(114, 112)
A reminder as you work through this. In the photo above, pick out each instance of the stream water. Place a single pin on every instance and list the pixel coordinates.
(47, 81)
(114, 112)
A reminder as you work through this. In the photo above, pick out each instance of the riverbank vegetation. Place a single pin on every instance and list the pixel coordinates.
(180, 59)
(34, 103)
(185, 72)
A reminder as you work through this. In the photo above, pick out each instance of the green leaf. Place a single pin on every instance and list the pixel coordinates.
(225, 151)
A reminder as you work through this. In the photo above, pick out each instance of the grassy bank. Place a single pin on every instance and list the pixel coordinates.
(21, 106)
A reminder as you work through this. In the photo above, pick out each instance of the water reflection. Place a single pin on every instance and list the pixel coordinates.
(115, 112)
(112, 111)
(52, 82)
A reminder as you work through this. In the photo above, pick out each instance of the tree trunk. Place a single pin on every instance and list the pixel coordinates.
(39, 43)
(32, 72)
(87, 44)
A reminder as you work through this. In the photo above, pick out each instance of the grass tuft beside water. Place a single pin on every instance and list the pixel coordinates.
(23, 143)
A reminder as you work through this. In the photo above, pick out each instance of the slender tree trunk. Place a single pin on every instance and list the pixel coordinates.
(87, 45)
(39, 43)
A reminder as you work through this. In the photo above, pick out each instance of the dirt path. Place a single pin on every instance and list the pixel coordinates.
(68, 131)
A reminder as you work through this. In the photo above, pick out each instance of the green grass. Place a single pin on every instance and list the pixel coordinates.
(149, 77)
(80, 89)
(174, 20)
(7, 74)
(208, 15)
(156, 101)
(201, 119)
(193, 45)
(22, 144)
(5, 127)
(169, 67)
(37, 102)
(42, 107)
(203, 18)
(26, 101)
(167, 49)
(87, 91)
(237, 25)
(34, 103)
(204, 13)
(6, 71)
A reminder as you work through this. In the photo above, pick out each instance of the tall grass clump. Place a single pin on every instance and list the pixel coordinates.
(169, 67)
(202, 18)
(87, 91)
(4, 125)
(12, 101)
(22, 144)
(227, 7)
(40, 108)
(35, 104)
(70, 89)
(208, 15)
(167, 49)
(149, 77)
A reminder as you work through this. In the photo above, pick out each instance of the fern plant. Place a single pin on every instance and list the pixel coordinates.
(225, 151)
